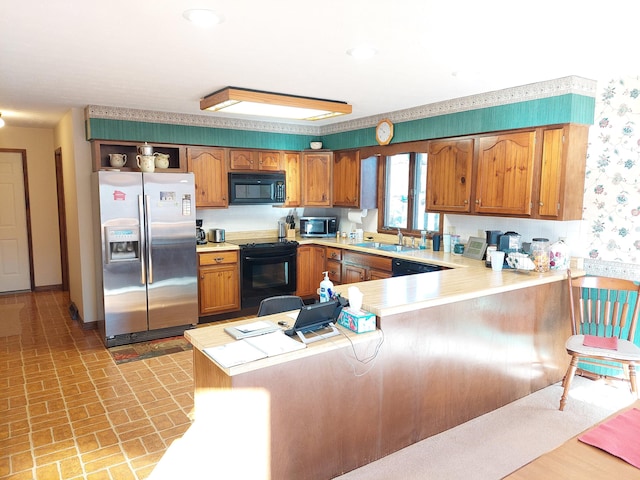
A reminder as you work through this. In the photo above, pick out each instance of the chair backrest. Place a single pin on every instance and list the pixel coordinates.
(280, 303)
(603, 306)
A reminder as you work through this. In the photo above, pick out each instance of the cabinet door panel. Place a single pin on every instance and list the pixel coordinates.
(550, 178)
(353, 273)
(269, 161)
(346, 179)
(449, 169)
(311, 264)
(242, 160)
(317, 170)
(505, 174)
(211, 184)
(292, 178)
(219, 289)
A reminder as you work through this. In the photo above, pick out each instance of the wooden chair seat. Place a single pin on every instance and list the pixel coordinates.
(625, 351)
(606, 307)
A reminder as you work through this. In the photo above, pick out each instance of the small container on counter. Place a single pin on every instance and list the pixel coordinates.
(540, 249)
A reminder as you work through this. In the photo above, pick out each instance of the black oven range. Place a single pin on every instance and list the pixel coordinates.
(267, 268)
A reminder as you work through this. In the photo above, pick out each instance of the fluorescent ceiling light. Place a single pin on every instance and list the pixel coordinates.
(267, 104)
(202, 17)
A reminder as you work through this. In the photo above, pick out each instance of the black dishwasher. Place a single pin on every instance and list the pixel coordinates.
(406, 267)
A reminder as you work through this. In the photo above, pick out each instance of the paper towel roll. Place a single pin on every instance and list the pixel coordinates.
(355, 216)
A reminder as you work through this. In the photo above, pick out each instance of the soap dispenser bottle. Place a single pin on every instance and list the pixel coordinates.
(326, 288)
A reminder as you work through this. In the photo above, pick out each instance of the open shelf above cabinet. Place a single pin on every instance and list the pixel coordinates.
(102, 149)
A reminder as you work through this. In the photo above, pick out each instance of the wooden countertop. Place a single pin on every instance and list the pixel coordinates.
(213, 335)
(466, 279)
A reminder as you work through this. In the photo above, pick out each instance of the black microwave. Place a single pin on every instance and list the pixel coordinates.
(318, 226)
(256, 188)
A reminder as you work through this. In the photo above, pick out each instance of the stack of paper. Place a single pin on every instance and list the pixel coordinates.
(253, 348)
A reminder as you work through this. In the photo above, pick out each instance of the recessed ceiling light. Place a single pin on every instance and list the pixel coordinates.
(362, 52)
(202, 17)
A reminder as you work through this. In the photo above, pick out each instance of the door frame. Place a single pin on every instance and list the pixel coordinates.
(62, 221)
(23, 153)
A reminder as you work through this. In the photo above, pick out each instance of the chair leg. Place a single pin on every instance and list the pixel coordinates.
(632, 378)
(566, 383)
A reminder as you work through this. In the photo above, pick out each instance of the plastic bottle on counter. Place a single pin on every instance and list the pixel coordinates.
(423, 239)
(326, 288)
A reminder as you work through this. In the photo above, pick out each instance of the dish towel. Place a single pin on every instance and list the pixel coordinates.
(619, 436)
(610, 343)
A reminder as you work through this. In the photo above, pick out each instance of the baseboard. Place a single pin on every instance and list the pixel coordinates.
(48, 288)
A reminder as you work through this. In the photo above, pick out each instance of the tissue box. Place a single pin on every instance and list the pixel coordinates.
(358, 322)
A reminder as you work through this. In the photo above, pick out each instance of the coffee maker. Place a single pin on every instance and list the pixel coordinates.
(201, 237)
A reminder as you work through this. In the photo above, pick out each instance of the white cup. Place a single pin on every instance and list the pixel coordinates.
(446, 242)
(146, 163)
(497, 259)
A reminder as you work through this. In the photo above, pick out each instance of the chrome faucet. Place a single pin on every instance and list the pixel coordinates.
(400, 239)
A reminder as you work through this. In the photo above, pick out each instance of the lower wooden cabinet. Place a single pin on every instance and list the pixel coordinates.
(356, 267)
(311, 264)
(218, 282)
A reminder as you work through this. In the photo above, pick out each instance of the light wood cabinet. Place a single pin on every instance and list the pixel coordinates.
(362, 267)
(354, 180)
(334, 264)
(310, 265)
(562, 170)
(218, 282)
(262, 161)
(317, 168)
(449, 175)
(504, 180)
(209, 168)
(292, 179)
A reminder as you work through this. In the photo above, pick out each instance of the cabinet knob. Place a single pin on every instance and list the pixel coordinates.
(219, 259)
(477, 201)
(201, 277)
(466, 201)
(542, 204)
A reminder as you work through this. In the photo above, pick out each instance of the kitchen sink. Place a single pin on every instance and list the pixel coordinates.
(387, 247)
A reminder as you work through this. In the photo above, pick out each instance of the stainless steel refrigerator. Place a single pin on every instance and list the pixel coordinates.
(147, 277)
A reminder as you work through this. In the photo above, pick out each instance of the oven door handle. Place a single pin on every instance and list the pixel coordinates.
(279, 257)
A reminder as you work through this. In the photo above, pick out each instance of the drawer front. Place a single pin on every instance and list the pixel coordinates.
(218, 258)
(334, 253)
(335, 271)
(365, 260)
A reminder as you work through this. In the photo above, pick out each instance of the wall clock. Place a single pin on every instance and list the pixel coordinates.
(384, 132)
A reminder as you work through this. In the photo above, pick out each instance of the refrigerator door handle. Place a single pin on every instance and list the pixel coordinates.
(147, 201)
(143, 246)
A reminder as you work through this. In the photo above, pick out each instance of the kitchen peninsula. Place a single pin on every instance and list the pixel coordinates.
(456, 344)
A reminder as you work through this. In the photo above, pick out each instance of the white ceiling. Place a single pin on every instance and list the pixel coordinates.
(143, 54)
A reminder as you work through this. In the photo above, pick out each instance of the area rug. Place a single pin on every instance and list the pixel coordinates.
(150, 349)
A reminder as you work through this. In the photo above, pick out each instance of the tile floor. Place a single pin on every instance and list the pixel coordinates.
(67, 411)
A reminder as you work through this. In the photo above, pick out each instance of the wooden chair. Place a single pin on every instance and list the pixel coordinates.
(603, 307)
(280, 303)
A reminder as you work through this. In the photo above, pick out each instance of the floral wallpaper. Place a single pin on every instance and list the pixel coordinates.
(612, 182)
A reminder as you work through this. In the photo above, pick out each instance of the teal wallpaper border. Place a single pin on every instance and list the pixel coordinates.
(107, 129)
(569, 108)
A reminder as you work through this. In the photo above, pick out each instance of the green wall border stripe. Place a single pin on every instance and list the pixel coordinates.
(569, 108)
(125, 130)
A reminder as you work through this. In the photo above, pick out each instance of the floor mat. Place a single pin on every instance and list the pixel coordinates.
(150, 349)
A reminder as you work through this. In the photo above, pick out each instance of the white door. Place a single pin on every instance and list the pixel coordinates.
(14, 248)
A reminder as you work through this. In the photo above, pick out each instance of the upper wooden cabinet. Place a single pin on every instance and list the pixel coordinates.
(265, 161)
(504, 180)
(562, 170)
(449, 170)
(354, 180)
(292, 179)
(317, 168)
(209, 168)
